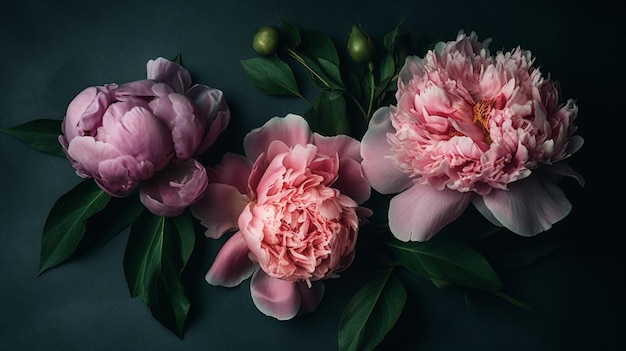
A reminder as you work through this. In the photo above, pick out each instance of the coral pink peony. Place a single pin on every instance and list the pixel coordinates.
(471, 127)
(124, 135)
(295, 201)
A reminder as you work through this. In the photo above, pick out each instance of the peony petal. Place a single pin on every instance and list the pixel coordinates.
(310, 296)
(219, 209)
(231, 265)
(173, 189)
(85, 111)
(342, 145)
(88, 153)
(352, 182)
(233, 170)
(479, 203)
(563, 169)
(421, 211)
(169, 72)
(213, 109)
(529, 207)
(275, 297)
(292, 130)
(378, 166)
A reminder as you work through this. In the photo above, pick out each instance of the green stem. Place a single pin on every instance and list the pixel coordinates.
(356, 101)
(371, 99)
(297, 57)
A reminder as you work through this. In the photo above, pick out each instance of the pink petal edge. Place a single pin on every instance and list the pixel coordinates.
(418, 213)
(231, 265)
(275, 297)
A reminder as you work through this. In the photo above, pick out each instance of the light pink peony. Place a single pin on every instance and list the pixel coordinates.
(471, 127)
(295, 202)
(123, 135)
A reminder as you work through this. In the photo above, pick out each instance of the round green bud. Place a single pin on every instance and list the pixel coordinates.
(361, 47)
(266, 40)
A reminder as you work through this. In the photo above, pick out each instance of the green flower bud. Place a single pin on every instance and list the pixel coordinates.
(361, 47)
(266, 40)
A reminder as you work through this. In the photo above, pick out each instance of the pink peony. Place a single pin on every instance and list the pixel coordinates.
(174, 188)
(295, 202)
(471, 127)
(124, 135)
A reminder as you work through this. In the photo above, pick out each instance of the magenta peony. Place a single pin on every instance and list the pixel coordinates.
(470, 127)
(295, 202)
(146, 131)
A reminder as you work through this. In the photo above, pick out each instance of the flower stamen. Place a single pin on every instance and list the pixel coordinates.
(482, 109)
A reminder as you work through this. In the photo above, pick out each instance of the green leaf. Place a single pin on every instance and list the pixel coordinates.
(515, 302)
(41, 135)
(371, 313)
(291, 32)
(328, 116)
(65, 225)
(508, 251)
(157, 251)
(271, 75)
(325, 74)
(448, 260)
(118, 215)
(178, 59)
(320, 46)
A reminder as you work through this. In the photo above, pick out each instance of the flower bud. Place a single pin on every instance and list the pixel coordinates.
(361, 47)
(266, 40)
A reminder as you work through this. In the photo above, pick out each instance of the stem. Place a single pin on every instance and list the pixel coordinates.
(297, 57)
(371, 100)
(358, 105)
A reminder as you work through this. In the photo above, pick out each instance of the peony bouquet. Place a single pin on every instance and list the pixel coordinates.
(397, 144)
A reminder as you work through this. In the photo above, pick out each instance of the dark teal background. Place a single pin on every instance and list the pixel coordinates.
(50, 51)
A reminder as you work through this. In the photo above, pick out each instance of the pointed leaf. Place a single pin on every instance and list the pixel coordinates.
(319, 45)
(65, 225)
(325, 74)
(329, 115)
(448, 260)
(118, 215)
(157, 251)
(271, 75)
(41, 135)
(507, 251)
(178, 59)
(371, 313)
(291, 32)
(515, 302)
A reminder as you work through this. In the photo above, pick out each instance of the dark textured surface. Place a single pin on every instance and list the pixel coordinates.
(51, 51)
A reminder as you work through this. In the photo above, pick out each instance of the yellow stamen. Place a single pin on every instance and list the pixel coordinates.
(481, 116)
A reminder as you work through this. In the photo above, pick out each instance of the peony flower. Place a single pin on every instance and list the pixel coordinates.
(294, 204)
(124, 135)
(174, 188)
(469, 127)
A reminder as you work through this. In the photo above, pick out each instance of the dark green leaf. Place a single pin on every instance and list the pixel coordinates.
(292, 33)
(324, 73)
(329, 114)
(118, 215)
(386, 73)
(371, 313)
(515, 302)
(157, 251)
(42, 135)
(354, 84)
(271, 75)
(448, 260)
(319, 46)
(508, 251)
(178, 59)
(65, 225)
